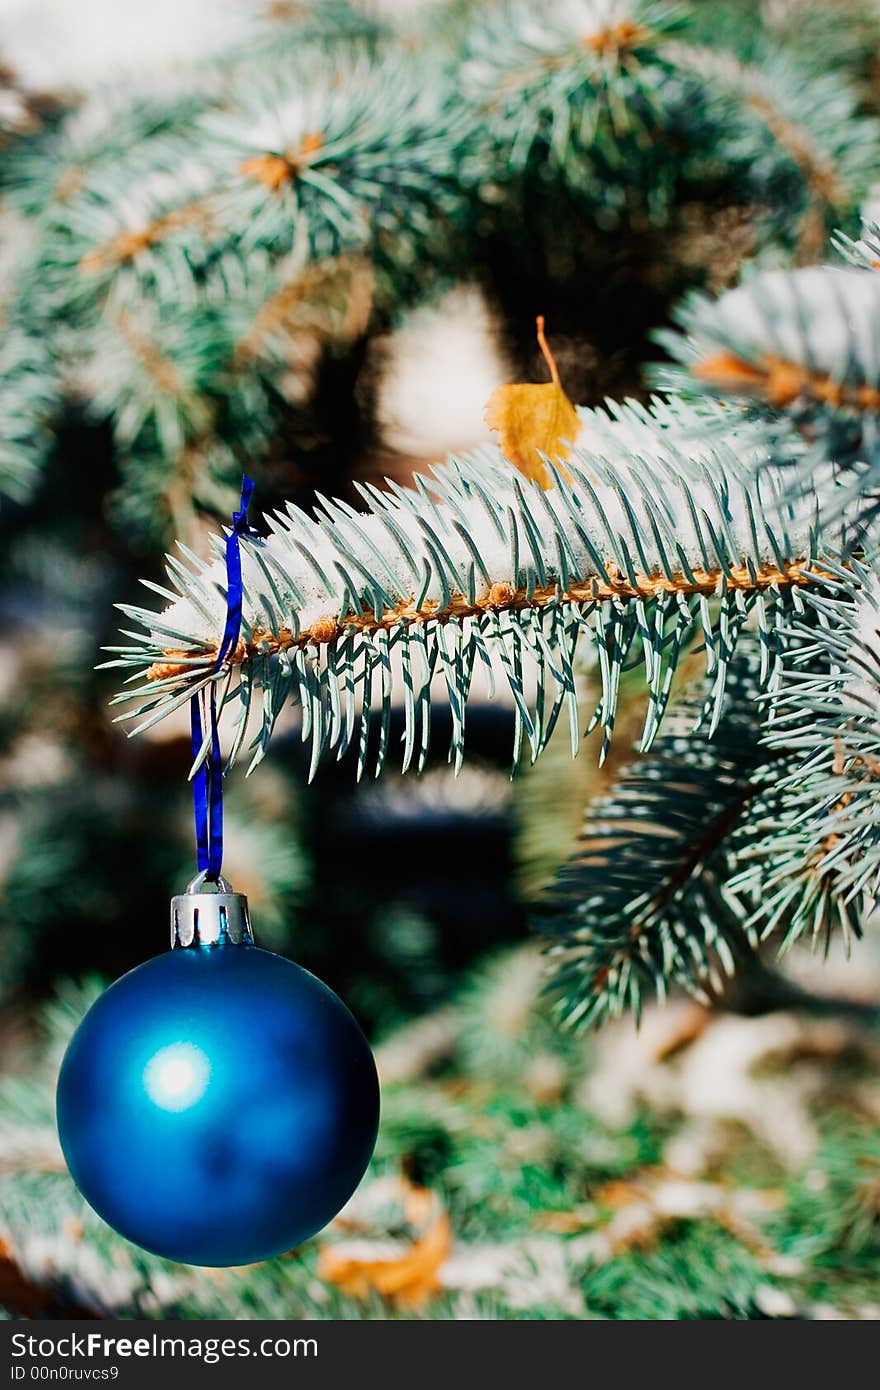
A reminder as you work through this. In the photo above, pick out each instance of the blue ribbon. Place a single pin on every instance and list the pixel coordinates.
(208, 781)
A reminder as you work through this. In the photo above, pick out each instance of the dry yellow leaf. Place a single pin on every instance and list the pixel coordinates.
(410, 1278)
(534, 419)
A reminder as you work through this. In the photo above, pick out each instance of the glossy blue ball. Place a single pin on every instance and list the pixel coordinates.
(218, 1105)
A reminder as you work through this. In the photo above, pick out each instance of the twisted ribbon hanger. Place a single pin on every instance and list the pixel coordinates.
(208, 781)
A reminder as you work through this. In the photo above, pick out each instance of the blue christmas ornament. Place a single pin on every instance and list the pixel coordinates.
(218, 1104)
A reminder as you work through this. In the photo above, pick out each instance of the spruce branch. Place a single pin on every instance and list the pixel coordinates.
(30, 400)
(801, 346)
(41, 175)
(652, 539)
(810, 863)
(584, 89)
(643, 905)
(844, 37)
(864, 251)
(339, 152)
(180, 246)
(766, 828)
(795, 137)
(362, 155)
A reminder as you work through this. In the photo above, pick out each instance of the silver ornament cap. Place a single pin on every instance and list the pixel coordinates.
(209, 913)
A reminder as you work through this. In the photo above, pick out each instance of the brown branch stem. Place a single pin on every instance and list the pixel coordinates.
(503, 597)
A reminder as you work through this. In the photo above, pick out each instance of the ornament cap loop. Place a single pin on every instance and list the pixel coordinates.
(210, 913)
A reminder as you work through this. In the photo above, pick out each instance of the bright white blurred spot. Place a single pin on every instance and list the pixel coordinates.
(177, 1076)
(442, 365)
(56, 43)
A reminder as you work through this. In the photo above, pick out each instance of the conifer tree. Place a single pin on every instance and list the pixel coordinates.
(674, 528)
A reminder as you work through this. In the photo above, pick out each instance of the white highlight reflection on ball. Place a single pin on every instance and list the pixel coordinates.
(177, 1076)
